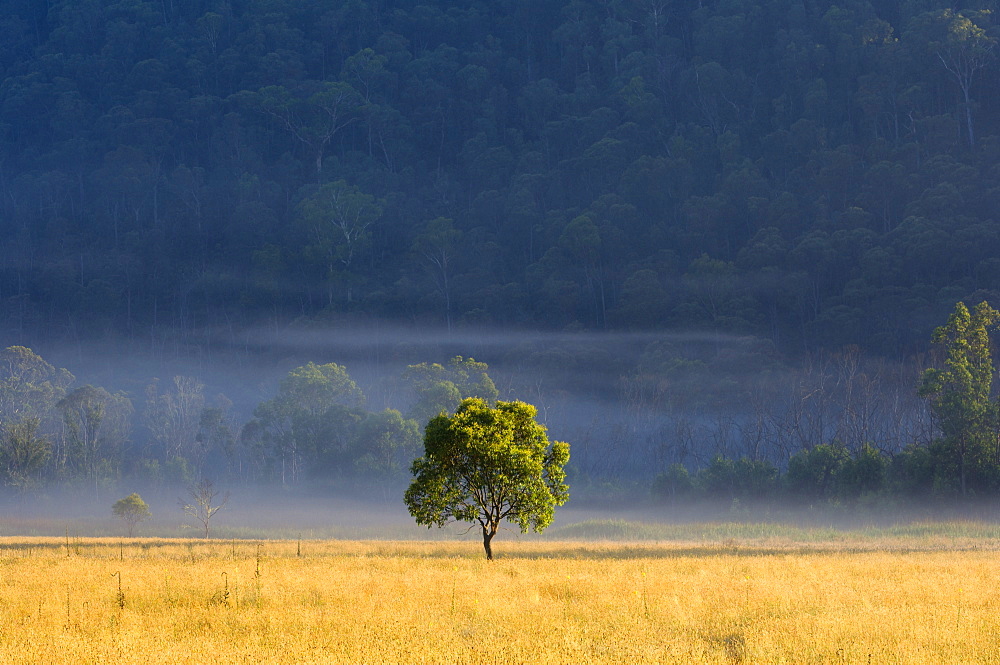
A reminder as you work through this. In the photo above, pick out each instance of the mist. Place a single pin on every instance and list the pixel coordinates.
(631, 405)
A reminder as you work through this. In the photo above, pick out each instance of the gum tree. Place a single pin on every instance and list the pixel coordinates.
(439, 388)
(959, 393)
(485, 465)
(131, 510)
(307, 424)
(965, 51)
(30, 388)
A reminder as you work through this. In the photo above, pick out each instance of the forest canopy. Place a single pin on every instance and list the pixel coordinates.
(817, 174)
(762, 210)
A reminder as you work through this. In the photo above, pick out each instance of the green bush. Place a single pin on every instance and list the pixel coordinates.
(814, 471)
(674, 483)
(863, 474)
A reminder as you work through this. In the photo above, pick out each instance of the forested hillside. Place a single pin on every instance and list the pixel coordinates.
(814, 173)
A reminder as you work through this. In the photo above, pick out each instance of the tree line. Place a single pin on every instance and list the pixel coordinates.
(814, 173)
(316, 428)
(731, 421)
(959, 458)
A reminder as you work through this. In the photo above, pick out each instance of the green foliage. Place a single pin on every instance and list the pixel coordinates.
(824, 472)
(439, 389)
(338, 220)
(674, 483)
(29, 386)
(864, 474)
(912, 471)
(959, 396)
(812, 174)
(313, 388)
(30, 389)
(815, 471)
(316, 427)
(742, 478)
(307, 426)
(23, 451)
(755, 478)
(131, 510)
(486, 465)
(98, 426)
(827, 179)
(177, 470)
(723, 478)
(385, 442)
(216, 432)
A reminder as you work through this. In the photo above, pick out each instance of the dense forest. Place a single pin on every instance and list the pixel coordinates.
(813, 173)
(777, 200)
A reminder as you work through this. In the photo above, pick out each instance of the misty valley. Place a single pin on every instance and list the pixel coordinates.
(683, 310)
(264, 243)
(654, 420)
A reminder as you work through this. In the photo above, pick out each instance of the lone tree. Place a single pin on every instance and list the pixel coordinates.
(131, 510)
(202, 506)
(485, 465)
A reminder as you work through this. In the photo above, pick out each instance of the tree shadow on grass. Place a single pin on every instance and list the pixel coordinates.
(626, 552)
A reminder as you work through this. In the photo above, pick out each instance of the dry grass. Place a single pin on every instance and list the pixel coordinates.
(187, 601)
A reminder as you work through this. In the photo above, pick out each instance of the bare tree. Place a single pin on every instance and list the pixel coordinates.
(202, 505)
(172, 416)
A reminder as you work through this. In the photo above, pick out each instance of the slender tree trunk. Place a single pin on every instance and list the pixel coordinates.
(488, 533)
(961, 466)
(968, 113)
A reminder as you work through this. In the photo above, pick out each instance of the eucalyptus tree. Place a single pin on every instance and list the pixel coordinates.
(438, 247)
(440, 388)
(314, 112)
(384, 442)
(959, 395)
(486, 465)
(310, 422)
(202, 504)
(97, 425)
(172, 416)
(23, 452)
(131, 510)
(338, 218)
(966, 49)
(30, 388)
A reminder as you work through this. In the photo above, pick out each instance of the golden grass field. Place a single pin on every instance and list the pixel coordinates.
(884, 599)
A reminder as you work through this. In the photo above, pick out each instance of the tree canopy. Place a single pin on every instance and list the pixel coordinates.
(961, 399)
(131, 510)
(440, 388)
(486, 465)
(816, 174)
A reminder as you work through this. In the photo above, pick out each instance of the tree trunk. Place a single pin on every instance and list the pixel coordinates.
(961, 467)
(968, 115)
(488, 533)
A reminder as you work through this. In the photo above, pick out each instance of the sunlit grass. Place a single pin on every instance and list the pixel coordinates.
(923, 534)
(921, 595)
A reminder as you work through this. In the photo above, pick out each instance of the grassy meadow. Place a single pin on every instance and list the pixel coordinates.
(736, 594)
